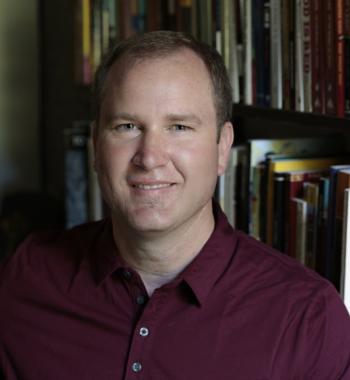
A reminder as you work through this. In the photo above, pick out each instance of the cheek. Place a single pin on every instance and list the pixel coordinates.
(199, 159)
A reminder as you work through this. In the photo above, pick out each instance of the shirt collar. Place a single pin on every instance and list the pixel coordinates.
(105, 258)
(201, 275)
(212, 260)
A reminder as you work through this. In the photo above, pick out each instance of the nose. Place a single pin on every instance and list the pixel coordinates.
(152, 151)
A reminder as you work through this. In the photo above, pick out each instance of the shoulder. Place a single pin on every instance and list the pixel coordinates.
(304, 306)
(46, 253)
(273, 278)
(275, 267)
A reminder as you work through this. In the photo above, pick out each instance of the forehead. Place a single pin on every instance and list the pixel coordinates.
(168, 78)
(184, 60)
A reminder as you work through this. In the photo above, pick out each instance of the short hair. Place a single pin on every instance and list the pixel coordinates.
(161, 44)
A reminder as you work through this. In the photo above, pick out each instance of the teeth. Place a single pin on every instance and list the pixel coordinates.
(152, 187)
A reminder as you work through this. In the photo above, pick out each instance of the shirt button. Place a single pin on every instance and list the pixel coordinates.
(136, 367)
(144, 331)
(140, 300)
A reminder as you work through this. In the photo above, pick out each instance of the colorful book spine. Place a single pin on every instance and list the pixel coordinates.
(287, 27)
(340, 81)
(276, 55)
(307, 57)
(347, 57)
(248, 53)
(318, 55)
(311, 196)
(267, 54)
(299, 57)
(330, 59)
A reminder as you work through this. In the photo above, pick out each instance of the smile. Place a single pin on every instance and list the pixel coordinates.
(152, 187)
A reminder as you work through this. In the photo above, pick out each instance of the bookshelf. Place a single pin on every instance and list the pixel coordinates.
(65, 94)
(258, 122)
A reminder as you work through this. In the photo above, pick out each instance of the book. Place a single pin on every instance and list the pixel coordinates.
(331, 261)
(307, 55)
(324, 184)
(294, 188)
(258, 149)
(288, 41)
(76, 175)
(248, 53)
(279, 212)
(342, 183)
(276, 54)
(229, 45)
(299, 211)
(311, 196)
(267, 53)
(318, 57)
(299, 57)
(291, 164)
(83, 64)
(97, 48)
(345, 257)
(347, 57)
(340, 75)
(330, 58)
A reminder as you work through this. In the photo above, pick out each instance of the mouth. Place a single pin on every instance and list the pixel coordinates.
(157, 186)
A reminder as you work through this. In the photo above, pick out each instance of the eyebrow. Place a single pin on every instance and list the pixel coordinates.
(172, 117)
(187, 117)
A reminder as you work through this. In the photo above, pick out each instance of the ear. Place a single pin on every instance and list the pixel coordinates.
(225, 144)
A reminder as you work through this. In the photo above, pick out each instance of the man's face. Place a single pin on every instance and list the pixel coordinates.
(157, 155)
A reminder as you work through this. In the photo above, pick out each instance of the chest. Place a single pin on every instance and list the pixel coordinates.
(125, 336)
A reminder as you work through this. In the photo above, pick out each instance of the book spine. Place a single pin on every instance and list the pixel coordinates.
(286, 61)
(322, 224)
(248, 53)
(105, 15)
(299, 58)
(340, 85)
(112, 22)
(318, 90)
(86, 40)
(276, 54)
(306, 17)
(76, 177)
(279, 212)
(300, 226)
(258, 48)
(330, 61)
(347, 56)
(345, 259)
(96, 34)
(311, 195)
(267, 54)
(294, 190)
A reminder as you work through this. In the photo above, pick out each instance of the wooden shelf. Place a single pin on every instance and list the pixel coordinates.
(290, 117)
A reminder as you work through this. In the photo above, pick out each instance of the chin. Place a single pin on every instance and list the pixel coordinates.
(150, 222)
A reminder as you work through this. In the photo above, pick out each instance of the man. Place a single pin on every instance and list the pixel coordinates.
(165, 289)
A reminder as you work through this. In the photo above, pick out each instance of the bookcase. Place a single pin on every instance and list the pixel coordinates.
(281, 55)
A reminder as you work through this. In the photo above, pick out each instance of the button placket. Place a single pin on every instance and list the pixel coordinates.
(142, 341)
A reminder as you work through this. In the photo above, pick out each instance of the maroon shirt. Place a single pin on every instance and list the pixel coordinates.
(71, 309)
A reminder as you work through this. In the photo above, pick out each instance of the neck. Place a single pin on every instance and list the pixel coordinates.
(159, 258)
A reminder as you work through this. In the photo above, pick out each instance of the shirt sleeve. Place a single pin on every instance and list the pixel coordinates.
(326, 338)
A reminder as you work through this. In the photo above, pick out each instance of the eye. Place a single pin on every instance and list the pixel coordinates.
(180, 128)
(126, 127)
